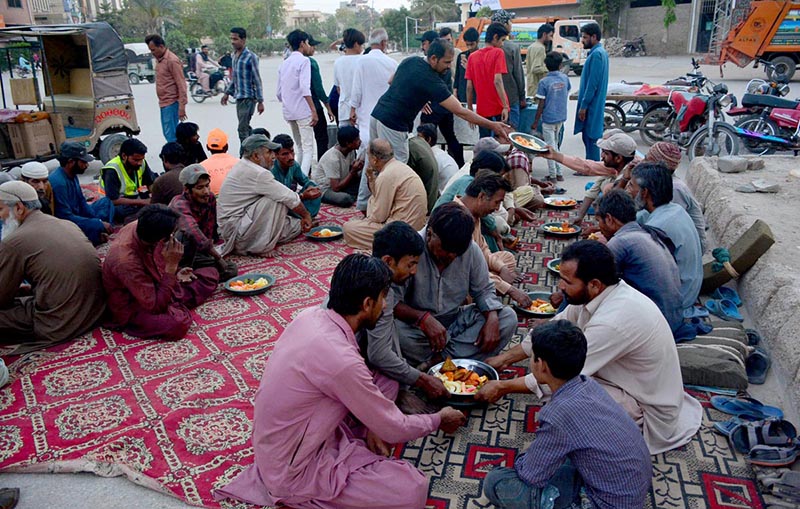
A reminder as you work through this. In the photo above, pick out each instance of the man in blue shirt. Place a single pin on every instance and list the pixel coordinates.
(592, 94)
(245, 84)
(286, 171)
(643, 260)
(95, 219)
(552, 95)
(585, 440)
(651, 187)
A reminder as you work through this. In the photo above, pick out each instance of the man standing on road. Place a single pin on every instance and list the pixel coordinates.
(170, 85)
(485, 70)
(534, 61)
(592, 94)
(344, 70)
(245, 84)
(514, 80)
(319, 97)
(294, 92)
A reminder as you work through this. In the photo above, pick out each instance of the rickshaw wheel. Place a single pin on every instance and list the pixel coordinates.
(133, 78)
(109, 146)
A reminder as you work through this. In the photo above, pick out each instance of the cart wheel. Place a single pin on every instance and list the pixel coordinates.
(655, 124)
(133, 78)
(109, 146)
(613, 117)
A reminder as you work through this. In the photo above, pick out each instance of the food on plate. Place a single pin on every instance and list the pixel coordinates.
(542, 306)
(459, 380)
(246, 285)
(525, 142)
(556, 267)
(564, 228)
(594, 236)
(325, 232)
(563, 203)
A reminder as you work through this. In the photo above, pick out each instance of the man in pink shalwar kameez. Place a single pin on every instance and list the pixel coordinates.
(323, 421)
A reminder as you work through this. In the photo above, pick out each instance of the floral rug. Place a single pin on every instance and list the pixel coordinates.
(176, 417)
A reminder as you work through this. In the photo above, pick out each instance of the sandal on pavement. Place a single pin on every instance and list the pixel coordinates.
(757, 365)
(723, 292)
(746, 408)
(725, 309)
(746, 436)
(771, 456)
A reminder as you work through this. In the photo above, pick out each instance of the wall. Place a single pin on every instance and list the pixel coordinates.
(559, 11)
(15, 16)
(649, 20)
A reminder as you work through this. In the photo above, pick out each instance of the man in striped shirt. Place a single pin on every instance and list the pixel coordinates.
(585, 440)
(245, 84)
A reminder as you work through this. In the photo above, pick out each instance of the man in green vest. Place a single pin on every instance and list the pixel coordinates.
(126, 180)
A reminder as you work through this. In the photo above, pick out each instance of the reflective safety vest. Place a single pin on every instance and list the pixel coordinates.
(129, 188)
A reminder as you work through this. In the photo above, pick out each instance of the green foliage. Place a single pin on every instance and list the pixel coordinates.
(669, 12)
(484, 12)
(431, 11)
(608, 9)
(394, 21)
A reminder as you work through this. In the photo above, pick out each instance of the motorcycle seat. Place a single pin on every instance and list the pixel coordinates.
(768, 101)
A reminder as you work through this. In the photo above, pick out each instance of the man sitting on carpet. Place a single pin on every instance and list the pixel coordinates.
(616, 151)
(432, 322)
(323, 422)
(400, 247)
(651, 188)
(220, 162)
(643, 260)
(93, 219)
(36, 174)
(397, 195)
(60, 267)
(197, 207)
(127, 179)
(584, 438)
(288, 172)
(631, 352)
(482, 197)
(148, 296)
(338, 172)
(253, 208)
(168, 185)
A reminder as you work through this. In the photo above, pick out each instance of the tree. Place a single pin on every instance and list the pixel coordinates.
(346, 18)
(155, 13)
(214, 18)
(329, 30)
(608, 9)
(669, 18)
(267, 13)
(484, 12)
(394, 21)
(431, 11)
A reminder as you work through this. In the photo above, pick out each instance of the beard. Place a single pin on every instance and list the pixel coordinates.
(638, 201)
(10, 225)
(578, 299)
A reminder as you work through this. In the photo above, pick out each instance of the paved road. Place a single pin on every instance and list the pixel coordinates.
(86, 490)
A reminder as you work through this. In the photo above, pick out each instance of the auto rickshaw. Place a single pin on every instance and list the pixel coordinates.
(86, 84)
(140, 63)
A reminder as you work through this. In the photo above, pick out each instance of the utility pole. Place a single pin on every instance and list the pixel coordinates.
(416, 28)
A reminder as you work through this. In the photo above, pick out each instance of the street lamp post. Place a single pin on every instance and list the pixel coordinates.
(416, 28)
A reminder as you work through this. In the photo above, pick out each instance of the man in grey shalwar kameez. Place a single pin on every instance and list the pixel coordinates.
(254, 209)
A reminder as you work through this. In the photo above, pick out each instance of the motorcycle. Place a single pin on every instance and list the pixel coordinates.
(635, 48)
(217, 83)
(723, 139)
(777, 127)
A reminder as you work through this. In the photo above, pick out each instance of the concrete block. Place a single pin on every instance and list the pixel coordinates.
(744, 253)
(755, 164)
(732, 164)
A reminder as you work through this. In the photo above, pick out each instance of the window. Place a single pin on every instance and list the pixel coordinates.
(569, 32)
(15, 4)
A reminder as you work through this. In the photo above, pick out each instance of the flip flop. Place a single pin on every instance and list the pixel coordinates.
(747, 408)
(771, 456)
(701, 326)
(723, 292)
(779, 433)
(724, 309)
(695, 312)
(757, 364)
(753, 337)
(560, 190)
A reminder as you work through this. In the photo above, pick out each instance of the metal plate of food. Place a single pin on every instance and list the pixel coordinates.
(528, 142)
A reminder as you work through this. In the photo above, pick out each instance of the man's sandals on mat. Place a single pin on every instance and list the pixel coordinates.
(771, 442)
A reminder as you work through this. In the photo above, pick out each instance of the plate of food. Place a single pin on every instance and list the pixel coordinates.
(325, 233)
(463, 377)
(562, 229)
(249, 284)
(560, 202)
(554, 265)
(540, 307)
(528, 143)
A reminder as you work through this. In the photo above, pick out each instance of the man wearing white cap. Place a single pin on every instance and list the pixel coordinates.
(61, 266)
(35, 174)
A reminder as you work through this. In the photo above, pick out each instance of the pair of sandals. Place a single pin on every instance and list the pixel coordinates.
(781, 487)
(758, 430)
(725, 304)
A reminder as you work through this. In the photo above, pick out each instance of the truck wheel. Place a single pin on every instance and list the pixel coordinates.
(784, 69)
(109, 146)
(133, 78)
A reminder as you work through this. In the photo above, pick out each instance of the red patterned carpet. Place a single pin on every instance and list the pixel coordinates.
(176, 417)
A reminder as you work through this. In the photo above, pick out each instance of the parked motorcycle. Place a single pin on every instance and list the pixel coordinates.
(776, 127)
(717, 137)
(218, 83)
(635, 48)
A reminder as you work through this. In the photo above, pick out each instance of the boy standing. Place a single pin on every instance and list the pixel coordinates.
(585, 440)
(552, 95)
(485, 70)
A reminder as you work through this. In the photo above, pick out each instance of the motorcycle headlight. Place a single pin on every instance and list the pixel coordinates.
(725, 100)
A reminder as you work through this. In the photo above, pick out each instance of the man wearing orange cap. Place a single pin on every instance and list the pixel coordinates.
(220, 162)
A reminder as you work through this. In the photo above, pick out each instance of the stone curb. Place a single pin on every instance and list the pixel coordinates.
(769, 290)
